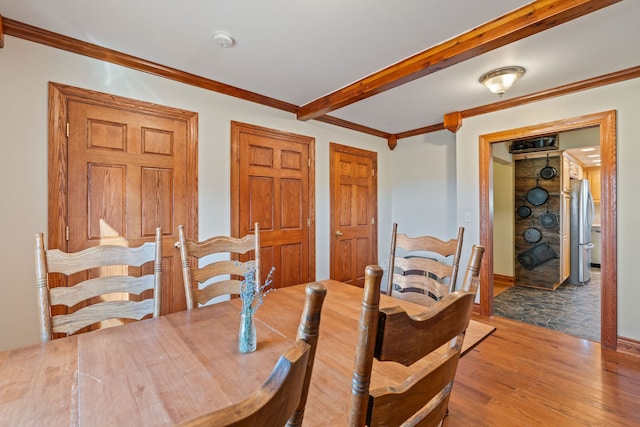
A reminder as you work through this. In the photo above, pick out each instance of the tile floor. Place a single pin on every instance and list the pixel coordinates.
(571, 309)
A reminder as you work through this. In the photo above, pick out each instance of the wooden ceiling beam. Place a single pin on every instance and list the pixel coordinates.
(1, 33)
(521, 23)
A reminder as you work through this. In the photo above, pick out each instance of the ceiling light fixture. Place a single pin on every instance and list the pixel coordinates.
(222, 39)
(500, 80)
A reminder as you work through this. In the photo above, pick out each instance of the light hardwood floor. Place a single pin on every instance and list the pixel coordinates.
(524, 375)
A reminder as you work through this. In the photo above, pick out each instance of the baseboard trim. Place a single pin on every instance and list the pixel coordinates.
(499, 279)
(629, 346)
(476, 309)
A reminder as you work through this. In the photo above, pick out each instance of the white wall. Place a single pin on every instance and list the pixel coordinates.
(623, 97)
(25, 70)
(423, 185)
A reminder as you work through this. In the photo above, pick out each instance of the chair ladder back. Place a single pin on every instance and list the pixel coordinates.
(429, 343)
(101, 259)
(198, 290)
(443, 275)
(406, 339)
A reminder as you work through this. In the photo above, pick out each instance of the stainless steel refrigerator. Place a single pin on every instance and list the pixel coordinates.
(580, 220)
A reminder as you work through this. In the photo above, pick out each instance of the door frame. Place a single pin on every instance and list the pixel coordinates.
(59, 97)
(606, 121)
(236, 129)
(335, 147)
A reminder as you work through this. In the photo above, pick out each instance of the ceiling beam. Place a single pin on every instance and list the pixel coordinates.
(533, 18)
(1, 34)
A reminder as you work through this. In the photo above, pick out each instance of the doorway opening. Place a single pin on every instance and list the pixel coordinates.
(550, 294)
(606, 122)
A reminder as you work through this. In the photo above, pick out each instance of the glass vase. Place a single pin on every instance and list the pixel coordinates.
(247, 335)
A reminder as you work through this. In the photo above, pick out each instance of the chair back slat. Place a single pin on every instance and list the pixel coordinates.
(99, 312)
(99, 256)
(406, 339)
(93, 288)
(106, 292)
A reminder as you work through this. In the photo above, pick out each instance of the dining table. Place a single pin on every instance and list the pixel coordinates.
(166, 370)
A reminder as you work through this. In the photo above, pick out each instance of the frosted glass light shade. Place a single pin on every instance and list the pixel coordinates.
(500, 80)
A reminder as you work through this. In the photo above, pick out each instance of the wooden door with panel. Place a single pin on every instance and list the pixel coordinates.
(272, 184)
(354, 215)
(130, 170)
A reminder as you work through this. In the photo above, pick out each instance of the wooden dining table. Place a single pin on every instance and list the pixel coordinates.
(162, 371)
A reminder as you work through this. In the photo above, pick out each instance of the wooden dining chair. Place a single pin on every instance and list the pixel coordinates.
(104, 281)
(216, 267)
(282, 398)
(419, 269)
(392, 335)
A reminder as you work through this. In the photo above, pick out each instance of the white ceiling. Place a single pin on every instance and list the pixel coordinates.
(297, 51)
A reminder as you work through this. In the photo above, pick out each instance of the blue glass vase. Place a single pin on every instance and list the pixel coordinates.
(247, 335)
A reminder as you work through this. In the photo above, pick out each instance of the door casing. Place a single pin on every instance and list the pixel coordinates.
(58, 206)
(606, 121)
(360, 237)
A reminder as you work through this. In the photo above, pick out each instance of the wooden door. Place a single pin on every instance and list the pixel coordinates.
(272, 183)
(354, 217)
(131, 168)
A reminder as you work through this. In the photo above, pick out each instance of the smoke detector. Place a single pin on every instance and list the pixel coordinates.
(222, 39)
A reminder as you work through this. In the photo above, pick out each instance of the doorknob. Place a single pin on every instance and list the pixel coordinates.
(339, 233)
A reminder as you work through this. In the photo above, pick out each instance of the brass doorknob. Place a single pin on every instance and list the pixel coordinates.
(339, 233)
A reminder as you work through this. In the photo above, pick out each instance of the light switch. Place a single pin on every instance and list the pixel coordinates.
(467, 217)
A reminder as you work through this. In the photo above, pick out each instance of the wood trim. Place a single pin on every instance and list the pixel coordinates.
(59, 41)
(392, 142)
(69, 44)
(353, 126)
(335, 147)
(530, 19)
(607, 123)
(504, 280)
(1, 33)
(236, 128)
(453, 121)
(607, 79)
(628, 345)
(420, 131)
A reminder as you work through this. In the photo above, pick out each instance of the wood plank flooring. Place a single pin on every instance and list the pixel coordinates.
(524, 375)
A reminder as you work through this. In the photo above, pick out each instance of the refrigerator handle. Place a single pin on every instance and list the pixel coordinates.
(591, 211)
